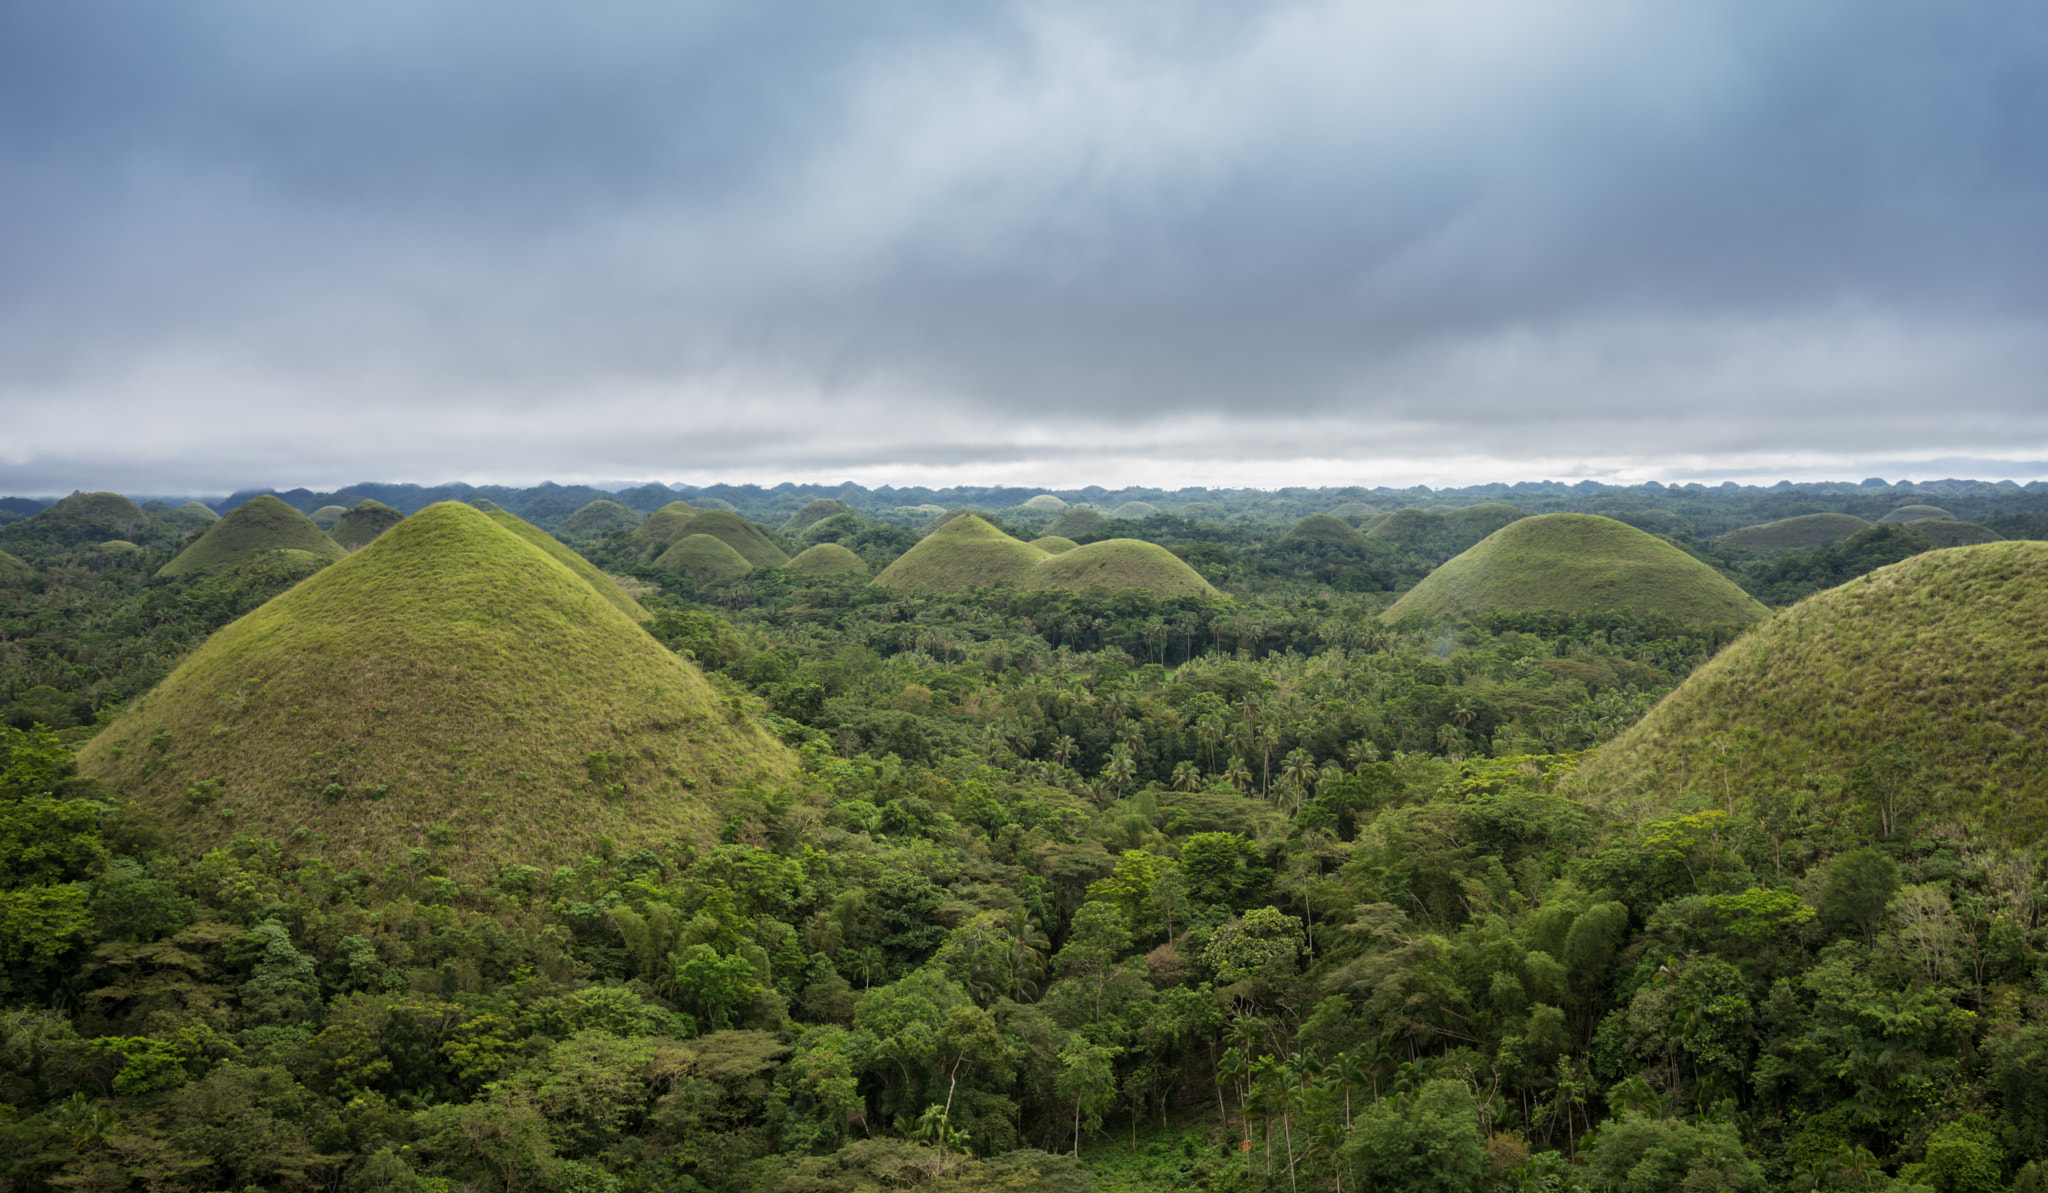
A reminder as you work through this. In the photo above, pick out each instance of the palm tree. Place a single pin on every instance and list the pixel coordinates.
(1121, 767)
(1236, 773)
(1186, 777)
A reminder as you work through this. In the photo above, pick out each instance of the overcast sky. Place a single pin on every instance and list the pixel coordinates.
(247, 243)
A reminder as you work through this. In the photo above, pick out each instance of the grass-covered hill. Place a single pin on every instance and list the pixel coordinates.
(326, 516)
(363, 523)
(1134, 511)
(1044, 501)
(606, 587)
(967, 552)
(1053, 544)
(1793, 534)
(1945, 532)
(1119, 563)
(13, 572)
(262, 523)
(1443, 531)
(1326, 530)
(183, 519)
(1078, 522)
(1354, 512)
(1925, 682)
(1580, 565)
(826, 559)
(597, 519)
(704, 560)
(813, 513)
(676, 521)
(1916, 513)
(81, 520)
(450, 687)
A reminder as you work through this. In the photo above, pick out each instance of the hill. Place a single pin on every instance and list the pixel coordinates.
(606, 587)
(1120, 563)
(1326, 530)
(1076, 522)
(1044, 501)
(81, 520)
(663, 527)
(827, 559)
(597, 519)
(675, 522)
(449, 687)
(262, 523)
(1134, 510)
(13, 572)
(1581, 565)
(363, 523)
(1793, 534)
(1353, 512)
(1948, 533)
(1053, 544)
(1916, 513)
(1445, 530)
(964, 554)
(327, 515)
(813, 513)
(1925, 674)
(704, 560)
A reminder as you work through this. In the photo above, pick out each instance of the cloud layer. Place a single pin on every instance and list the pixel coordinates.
(1171, 243)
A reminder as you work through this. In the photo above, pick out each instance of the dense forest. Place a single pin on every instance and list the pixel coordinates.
(1070, 890)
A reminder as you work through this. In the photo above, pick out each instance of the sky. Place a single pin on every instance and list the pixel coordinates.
(896, 242)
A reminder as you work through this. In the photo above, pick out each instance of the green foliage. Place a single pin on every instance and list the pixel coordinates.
(1429, 1142)
(1638, 1154)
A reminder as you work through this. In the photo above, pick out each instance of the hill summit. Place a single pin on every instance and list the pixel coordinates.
(969, 552)
(1919, 682)
(450, 686)
(1581, 565)
(262, 523)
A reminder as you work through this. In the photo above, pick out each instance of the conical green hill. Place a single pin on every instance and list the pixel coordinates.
(364, 522)
(662, 527)
(202, 512)
(1915, 513)
(813, 513)
(1948, 533)
(449, 676)
(1044, 501)
(827, 559)
(262, 523)
(1134, 510)
(1353, 512)
(1076, 522)
(596, 520)
(13, 572)
(1120, 563)
(606, 587)
(704, 560)
(81, 520)
(1581, 565)
(1793, 534)
(1053, 544)
(964, 554)
(327, 515)
(1325, 530)
(669, 525)
(1927, 676)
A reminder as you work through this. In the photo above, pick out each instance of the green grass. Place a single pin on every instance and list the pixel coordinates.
(1044, 501)
(827, 559)
(1949, 533)
(1914, 513)
(1945, 652)
(1581, 565)
(449, 676)
(1325, 530)
(1053, 544)
(676, 521)
(663, 527)
(13, 572)
(118, 547)
(1134, 510)
(598, 519)
(364, 522)
(1447, 529)
(1076, 522)
(327, 515)
(704, 560)
(262, 523)
(1354, 512)
(964, 554)
(1793, 534)
(813, 513)
(1120, 563)
(605, 586)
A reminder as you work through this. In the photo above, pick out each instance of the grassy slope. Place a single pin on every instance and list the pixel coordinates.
(262, 523)
(1947, 533)
(1945, 651)
(1044, 501)
(704, 559)
(598, 518)
(813, 513)
(1076, 522)
(82, 519)
(826, 559)
(13, 571)
(326, 516)
(1580, 564)
(1134, 510)
(1794, 534)
(606, 587)
(1914, 513)
(1053, 544)
(1324, 529)
(964, 554)
(202, 512)
(1120, 563)
(364, 522)
(663, 527)
(465, 673)
(669, 525)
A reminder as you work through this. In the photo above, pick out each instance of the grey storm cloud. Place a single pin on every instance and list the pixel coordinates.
(242, 241)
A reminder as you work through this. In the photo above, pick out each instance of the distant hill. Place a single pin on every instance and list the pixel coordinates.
(1916, 513)
(81, 520)
(1134, 510)
(827, 559)
(969, 552)
(1353, 512)
(813, 513)
(449, 687)
(1053, 544)
(597, 519)
(1443, 531)
(13, 572)
(1920, 683)
(1326, 530)
(366, 521)
(1120, 563)
(1077, 522)
(327, 515)
(1793, 534)
(1949, 533)
(672, 523)
(262, 523)
(1581, 565)
(704, 560)
(604, 585)
(1044, 501)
